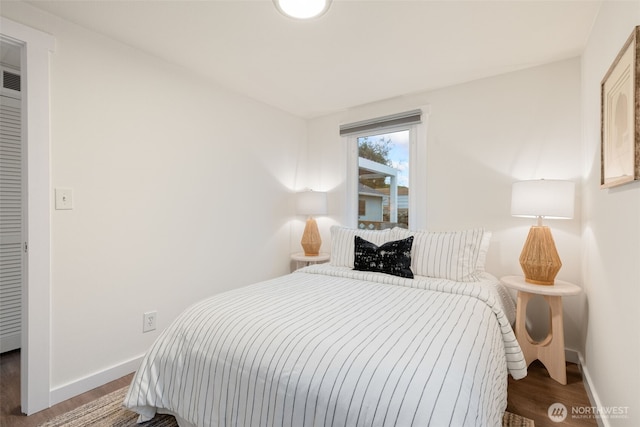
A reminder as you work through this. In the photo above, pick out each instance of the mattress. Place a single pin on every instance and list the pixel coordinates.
(330, 346)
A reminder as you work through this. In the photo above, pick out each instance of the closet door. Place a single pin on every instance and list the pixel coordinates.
(12, 249)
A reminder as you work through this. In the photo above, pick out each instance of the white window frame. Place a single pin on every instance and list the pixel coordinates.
(417, 171)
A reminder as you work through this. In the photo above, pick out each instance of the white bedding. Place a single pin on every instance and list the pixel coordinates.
(329, 346)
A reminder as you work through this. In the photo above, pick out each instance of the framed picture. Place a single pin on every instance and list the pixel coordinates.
(620, 127)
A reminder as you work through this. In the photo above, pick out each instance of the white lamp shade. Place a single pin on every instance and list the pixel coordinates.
(311, 203)
(302, 9)
(546, 198)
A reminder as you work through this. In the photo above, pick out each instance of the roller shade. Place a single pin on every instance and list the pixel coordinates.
(406, 118)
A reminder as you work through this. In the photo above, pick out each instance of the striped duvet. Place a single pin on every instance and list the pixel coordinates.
(328, 346)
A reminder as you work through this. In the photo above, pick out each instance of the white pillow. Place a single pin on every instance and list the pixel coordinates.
(343, 246)
(453, 255)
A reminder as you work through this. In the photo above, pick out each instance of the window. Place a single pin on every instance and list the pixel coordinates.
(386, 182)
(383, 180)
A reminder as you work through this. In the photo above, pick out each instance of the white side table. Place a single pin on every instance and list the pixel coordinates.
(302, 260)
(549, 351)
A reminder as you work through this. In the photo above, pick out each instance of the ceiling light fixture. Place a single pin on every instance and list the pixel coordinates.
(302, 9)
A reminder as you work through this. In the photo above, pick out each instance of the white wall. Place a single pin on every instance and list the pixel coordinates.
(168, 173)
(611, 237)
(150, 151)
(483, 136)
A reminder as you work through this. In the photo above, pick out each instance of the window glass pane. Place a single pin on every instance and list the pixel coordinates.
(383, 180)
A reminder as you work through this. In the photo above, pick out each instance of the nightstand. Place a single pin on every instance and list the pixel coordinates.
(303, 260)
(549, 351)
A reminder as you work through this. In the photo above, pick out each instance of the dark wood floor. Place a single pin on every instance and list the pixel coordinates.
(529, 397)
(10, 415)
(532, 396)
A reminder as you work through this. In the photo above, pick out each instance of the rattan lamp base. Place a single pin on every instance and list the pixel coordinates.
(539, 259)
(311, 240)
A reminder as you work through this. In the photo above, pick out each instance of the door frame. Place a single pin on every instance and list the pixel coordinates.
(36, 311)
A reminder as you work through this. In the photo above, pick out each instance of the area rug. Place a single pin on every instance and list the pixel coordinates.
(108, 411)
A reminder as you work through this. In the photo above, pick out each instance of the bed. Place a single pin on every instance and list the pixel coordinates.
(329, 345)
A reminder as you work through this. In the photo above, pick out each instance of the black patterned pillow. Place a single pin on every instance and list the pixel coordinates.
(391, 257)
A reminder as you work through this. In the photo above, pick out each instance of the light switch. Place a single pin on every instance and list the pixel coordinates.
(64, 198)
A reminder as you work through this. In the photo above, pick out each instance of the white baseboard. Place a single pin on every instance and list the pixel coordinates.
(572, 356)
(591, 392)
(72, 389)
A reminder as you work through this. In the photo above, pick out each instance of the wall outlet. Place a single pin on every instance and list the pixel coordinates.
(149, 321)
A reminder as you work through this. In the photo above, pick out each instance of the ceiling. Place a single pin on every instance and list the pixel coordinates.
(359, 52)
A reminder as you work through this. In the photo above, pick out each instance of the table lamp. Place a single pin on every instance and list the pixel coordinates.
(311, 203)
(540, 199)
